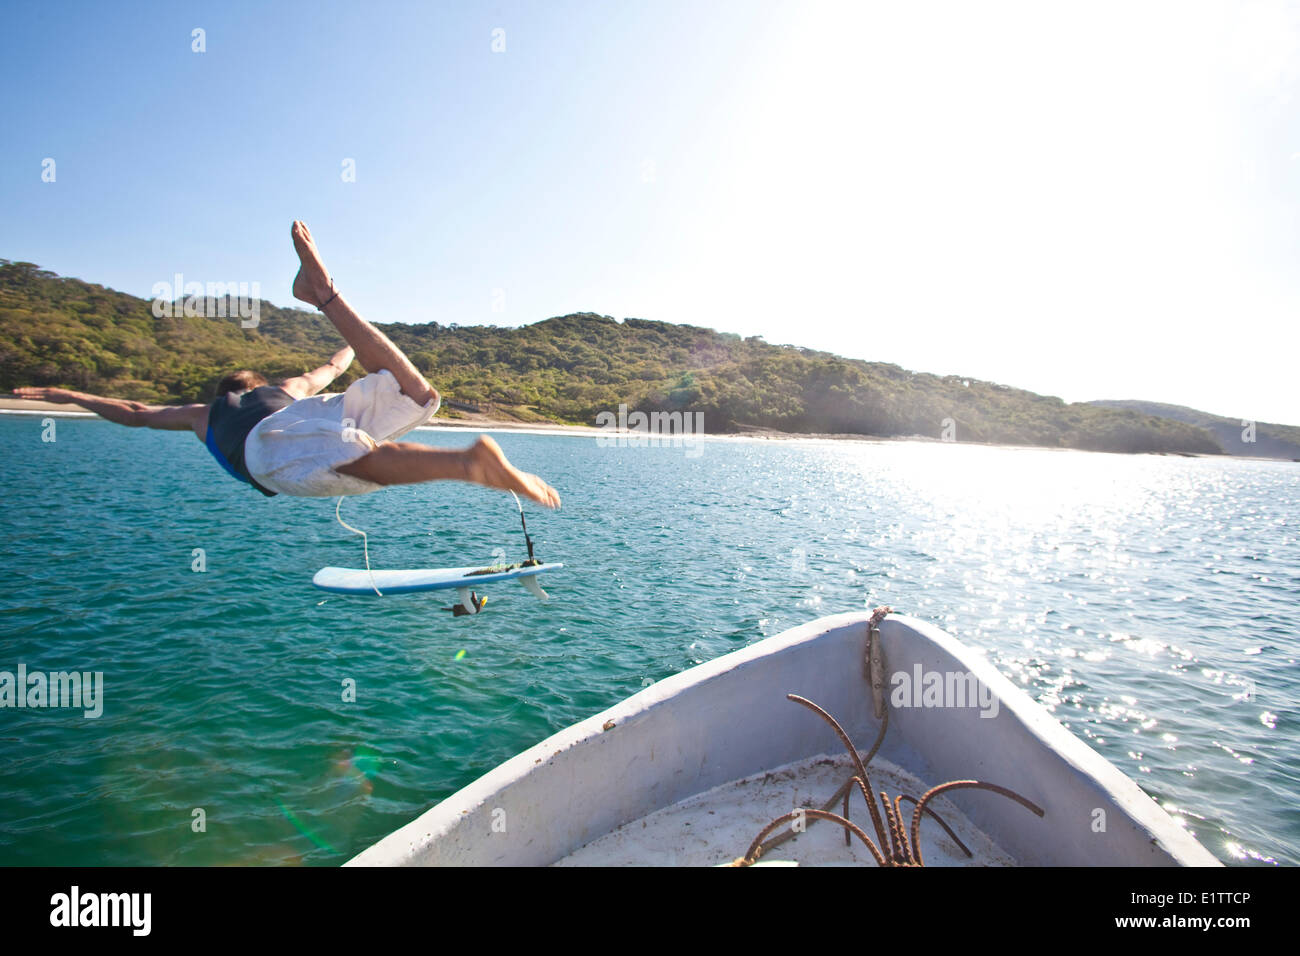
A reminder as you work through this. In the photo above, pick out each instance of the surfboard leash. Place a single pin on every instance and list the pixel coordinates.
(365, 544)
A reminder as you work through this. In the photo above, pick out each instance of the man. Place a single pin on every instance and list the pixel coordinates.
(289, 439)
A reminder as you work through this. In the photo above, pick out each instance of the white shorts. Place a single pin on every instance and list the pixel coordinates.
(295, 450)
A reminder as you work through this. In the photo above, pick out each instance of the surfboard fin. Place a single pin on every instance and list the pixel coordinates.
(470, 603)
(534, 588)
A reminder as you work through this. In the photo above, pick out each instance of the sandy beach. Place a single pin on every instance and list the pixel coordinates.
(467, 420)
(470, 421)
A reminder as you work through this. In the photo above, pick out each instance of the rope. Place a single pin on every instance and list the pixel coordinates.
(875, 678)
(365, 544)
(893, 848)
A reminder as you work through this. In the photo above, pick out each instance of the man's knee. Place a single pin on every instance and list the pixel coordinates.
(375, 465)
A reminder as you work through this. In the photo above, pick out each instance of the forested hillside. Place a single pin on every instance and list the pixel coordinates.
(62, 331)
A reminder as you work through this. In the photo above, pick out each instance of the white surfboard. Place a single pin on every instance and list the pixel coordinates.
(405, 581)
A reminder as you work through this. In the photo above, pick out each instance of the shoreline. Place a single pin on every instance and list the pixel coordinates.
(24, 406)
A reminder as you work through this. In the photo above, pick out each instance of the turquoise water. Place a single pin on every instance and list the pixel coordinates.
(1149, 602)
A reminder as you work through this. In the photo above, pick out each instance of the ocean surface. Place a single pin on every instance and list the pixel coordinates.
(1149, 602)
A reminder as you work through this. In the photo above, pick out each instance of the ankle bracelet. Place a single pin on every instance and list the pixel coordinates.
(330, 299)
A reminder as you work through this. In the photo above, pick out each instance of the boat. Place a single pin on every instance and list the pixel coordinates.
(747, 759)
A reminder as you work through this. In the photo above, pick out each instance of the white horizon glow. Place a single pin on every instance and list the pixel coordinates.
(1089, 202)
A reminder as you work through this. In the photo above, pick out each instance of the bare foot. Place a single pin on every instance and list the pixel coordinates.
(488, 466)
(312, 284)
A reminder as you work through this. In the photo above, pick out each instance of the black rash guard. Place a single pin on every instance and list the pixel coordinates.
(232, 416)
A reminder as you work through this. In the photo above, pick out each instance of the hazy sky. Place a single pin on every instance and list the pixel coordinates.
(1086, 199)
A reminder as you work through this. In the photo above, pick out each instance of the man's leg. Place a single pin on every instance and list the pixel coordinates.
(374, 350)
(401, 463)
(483, 463)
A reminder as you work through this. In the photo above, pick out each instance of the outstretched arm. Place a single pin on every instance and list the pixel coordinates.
(304, 386)
(123, 412)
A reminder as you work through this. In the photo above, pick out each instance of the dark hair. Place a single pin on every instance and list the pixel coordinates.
(239, 382)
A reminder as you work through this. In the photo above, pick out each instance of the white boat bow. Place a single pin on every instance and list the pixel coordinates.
(661, 751)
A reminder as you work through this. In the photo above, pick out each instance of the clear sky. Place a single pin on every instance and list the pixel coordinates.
(1086, 199)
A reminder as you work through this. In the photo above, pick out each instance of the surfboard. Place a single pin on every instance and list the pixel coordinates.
(406, 581)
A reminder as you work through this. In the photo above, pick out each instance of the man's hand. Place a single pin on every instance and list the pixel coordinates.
(59, 395)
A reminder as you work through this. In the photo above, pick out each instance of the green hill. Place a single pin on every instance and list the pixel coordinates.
(1235, 436)
(63, 331)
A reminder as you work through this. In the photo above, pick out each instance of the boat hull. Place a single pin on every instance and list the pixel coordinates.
(729, 718)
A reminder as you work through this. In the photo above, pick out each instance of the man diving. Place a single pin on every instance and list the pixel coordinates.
(288, 439)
